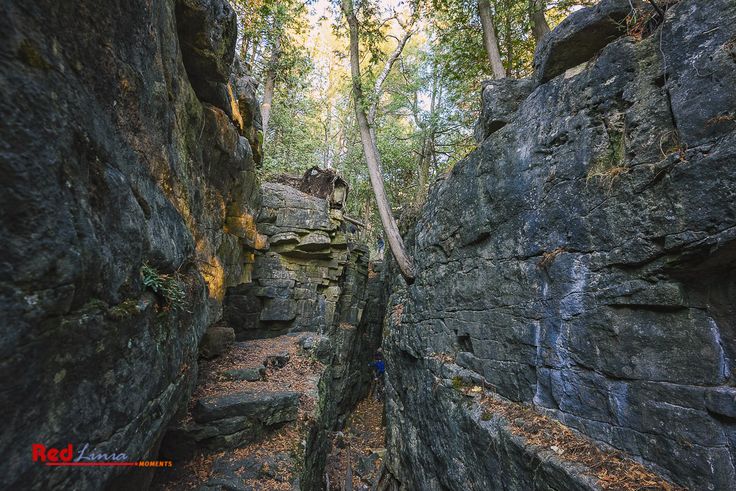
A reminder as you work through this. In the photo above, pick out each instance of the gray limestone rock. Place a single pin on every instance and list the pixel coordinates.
(216, 340)
(583, 259)
(580, 37)
(267, 407)
(499, 101)
(247, 374)
(208, 32)
(109, 160)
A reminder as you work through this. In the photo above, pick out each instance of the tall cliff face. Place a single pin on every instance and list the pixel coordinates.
(582, 259)
(111, 160)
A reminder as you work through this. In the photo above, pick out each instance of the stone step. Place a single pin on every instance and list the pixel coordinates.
(227, 421)
(268, 408)
(246, 374)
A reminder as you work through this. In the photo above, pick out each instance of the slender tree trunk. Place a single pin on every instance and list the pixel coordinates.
(509, 41)
(428, 135)
(490, 41)
(254, 52)
(539, 23)
(372, 157)
(269, 85)
(378, 87)
(244, 47)
(367, 218)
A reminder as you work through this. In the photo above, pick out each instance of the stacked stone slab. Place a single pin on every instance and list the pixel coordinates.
(227, 421)
(297, 281)
(583, 260)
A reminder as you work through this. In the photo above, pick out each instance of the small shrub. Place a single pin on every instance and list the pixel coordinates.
(165, 285)
(486, 416)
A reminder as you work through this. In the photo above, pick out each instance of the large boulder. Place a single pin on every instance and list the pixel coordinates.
(499, 101)
(227, 421)
(580, 37)
(208, 32)
(216, 340)
(267, 407)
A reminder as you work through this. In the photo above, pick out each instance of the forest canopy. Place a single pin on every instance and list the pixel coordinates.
(422, 65)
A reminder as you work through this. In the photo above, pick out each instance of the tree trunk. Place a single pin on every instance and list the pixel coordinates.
(254, 52)
(372, 157)
(539, 23)
(244, 47)
(490, 41)
(428, 136)
(509, 41)
(378, 87)
(269, 85)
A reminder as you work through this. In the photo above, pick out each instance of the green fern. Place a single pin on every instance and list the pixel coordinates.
(167, 286)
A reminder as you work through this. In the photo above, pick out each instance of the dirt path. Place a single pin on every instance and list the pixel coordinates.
(361, 445)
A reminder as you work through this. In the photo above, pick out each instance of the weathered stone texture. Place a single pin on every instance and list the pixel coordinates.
(584, 259)
(311, 266)
(109, 160)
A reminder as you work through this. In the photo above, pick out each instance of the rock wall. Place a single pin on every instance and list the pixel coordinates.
(347, 378)
(111, 160)
(298, 279)
(582, 260)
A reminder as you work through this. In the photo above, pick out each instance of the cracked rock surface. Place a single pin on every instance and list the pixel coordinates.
(583, 259)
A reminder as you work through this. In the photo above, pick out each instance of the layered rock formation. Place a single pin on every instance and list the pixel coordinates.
(123, 191)
(311, 266)
(583, 260)
(264, 398)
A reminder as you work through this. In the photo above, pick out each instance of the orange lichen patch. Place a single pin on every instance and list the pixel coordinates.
(125, 85)
(611, 468)
(214, 276)
(549, 257)
(364, 434)
(243, 225)
(235, 109)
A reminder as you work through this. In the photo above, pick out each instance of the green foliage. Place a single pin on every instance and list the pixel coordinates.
(426, 109)
(458, 383)
(123, 310)
(167, 286)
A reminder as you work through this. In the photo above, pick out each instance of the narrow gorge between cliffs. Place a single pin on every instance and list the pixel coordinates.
(195, 291)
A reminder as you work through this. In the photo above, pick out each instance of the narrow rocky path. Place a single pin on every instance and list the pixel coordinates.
(361, 446)
(247, 423)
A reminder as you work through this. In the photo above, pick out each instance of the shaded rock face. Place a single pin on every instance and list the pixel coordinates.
(583, 259)
(500, 100)
(347, 378)
(581, 36)
(109, 160)
(297, 280)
